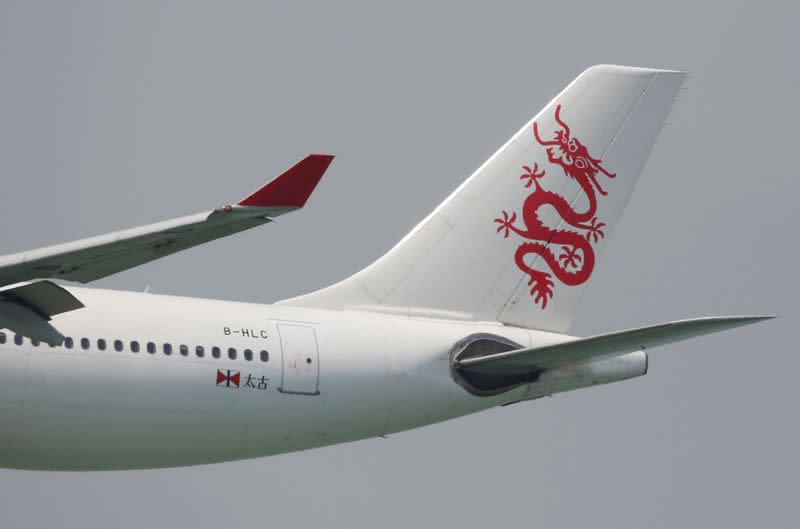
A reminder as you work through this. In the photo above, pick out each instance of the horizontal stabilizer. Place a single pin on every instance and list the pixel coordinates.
(601, 346)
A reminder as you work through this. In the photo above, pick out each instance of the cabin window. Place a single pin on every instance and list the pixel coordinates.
(101, 344)
(248, 355)
(215, 352)
(68, 343)
(135, 346)
(18, 339)
(35, 343)
(2, 337)
(85, 343)
(199, 351)
(232, 353)
(151, 348)
(167, 348)
(184, 350)
(264, 356)
(118, 345)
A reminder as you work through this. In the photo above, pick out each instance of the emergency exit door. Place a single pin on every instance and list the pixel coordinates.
(300, 359)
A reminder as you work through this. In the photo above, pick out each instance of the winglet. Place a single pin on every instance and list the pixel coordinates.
(294, 186)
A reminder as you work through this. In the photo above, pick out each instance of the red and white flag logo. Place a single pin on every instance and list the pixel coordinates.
(228, 378)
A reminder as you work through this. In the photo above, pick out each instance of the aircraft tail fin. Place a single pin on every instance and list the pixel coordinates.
(519, 239)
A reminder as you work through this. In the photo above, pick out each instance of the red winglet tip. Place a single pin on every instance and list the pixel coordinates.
(294, 186)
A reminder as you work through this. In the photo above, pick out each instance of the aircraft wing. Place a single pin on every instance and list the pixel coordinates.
(96, 257)
(599, 347)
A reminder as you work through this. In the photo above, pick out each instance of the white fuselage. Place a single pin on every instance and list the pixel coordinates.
(372, 374)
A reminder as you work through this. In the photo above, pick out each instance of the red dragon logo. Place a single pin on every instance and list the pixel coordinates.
(575, 263)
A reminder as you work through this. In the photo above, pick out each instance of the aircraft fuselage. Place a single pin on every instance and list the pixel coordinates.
(371, 374)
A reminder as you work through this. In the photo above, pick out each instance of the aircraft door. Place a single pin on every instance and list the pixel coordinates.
(300, 359)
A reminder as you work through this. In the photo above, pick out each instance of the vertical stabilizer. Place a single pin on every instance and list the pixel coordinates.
(520, 238)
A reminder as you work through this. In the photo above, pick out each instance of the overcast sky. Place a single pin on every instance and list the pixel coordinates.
(117, 114)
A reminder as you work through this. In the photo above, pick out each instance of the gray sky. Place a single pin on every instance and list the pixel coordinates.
(117, 114)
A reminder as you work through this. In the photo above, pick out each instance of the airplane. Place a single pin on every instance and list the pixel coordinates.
(468, 312)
